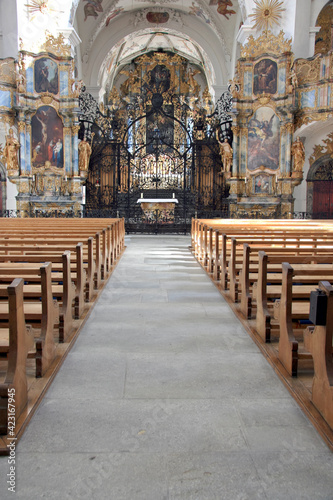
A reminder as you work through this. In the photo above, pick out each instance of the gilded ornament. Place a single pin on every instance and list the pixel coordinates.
(24, 186)
(7, 71)
(56, 46)
(67, 131)
(307, 71)
(21, 127)
(267, 13)
(319, 150)
(264, 99)
(75, 129)
(266, 43)
(46, 98)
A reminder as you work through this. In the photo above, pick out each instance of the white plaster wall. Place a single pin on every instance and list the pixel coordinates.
(11, 195)
(9, 29)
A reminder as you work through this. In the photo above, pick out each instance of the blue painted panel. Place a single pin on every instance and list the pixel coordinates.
(30, 80)
(5, 100)
(248, 83)
(282, 80)
(308, 99)
(63, 83)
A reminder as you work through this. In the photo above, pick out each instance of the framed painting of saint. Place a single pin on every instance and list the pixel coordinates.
(47, 138)
(263, 140)
(265, 77)
(46, 76)
(262, 184)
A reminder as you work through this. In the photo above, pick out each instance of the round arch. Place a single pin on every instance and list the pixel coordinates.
(201, 34)
(320, 188)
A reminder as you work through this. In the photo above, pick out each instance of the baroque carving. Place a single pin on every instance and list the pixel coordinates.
(57, 46)
(7, 71)
(308, 71)
(320, 150)
(266, 44)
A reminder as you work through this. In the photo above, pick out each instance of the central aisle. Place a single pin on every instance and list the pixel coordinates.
(164, 396)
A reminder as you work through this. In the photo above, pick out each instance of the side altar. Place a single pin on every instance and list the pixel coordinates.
(267, 159)
(42, 146)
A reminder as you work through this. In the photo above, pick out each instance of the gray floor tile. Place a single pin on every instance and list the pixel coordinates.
(164, 396)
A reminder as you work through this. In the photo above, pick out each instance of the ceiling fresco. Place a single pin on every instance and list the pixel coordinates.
(155, 25)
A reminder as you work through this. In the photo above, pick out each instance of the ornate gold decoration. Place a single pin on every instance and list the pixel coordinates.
(319, 150)
(23, 186)
(57, 46)
(21, 126)
(307, 118)
(264, 99)
(46, 98)
(75, 129)
(7, 71)
(308, 71)
(289, 127)
(67, 131)
(267, 13)
(266, 43)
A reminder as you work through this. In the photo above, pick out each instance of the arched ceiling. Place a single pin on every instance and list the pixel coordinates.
(114, 32)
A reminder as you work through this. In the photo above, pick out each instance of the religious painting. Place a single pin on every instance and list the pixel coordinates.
(157, 17)
(47, 138)
(262, 184)
(263, 140)
(92, 8)
(159, 79)
(265, 77)
(160, 130)
(223, 7)
(46, 76)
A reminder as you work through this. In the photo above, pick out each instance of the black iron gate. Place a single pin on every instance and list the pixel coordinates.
(157, 170)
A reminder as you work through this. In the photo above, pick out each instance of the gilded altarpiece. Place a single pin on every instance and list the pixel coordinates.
(153, 139)
(46, 123)
(261, 180)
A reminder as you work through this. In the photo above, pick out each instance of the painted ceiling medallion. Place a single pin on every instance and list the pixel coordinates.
(267, 13)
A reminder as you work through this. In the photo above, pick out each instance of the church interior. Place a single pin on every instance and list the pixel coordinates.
(166, 313)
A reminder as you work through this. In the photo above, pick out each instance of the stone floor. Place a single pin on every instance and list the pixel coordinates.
(164, 396)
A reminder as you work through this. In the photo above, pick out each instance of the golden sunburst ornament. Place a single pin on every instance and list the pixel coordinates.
(41, 6)
(267, 13)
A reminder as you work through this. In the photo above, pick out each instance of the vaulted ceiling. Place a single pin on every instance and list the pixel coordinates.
(114, 32)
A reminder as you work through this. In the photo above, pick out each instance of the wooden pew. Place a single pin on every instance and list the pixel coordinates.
(43, 315)
(308, 274)
(250, 268)
(318, 340)
(62, 286)
(17, 341)
(287, 310)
